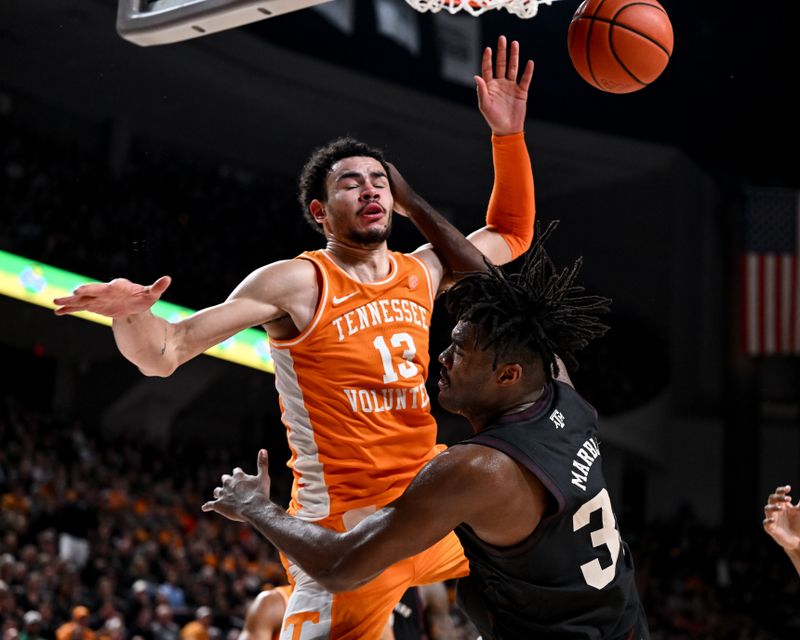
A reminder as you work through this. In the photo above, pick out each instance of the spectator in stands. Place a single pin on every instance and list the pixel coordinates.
(78, 627)
(164, 627)
(31, 626)
(200, 627)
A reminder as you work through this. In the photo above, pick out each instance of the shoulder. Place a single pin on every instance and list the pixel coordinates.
(469, 464)
(294, 270)
(284, 276)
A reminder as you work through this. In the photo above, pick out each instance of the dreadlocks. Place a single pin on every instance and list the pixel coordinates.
(540, 310)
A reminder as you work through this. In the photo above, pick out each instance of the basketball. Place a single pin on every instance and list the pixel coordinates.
(620, 46)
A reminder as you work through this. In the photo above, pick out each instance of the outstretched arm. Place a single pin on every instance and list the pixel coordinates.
(511, 213)
(157, 347)
(512, 207)
(782, 523)
(452, 488)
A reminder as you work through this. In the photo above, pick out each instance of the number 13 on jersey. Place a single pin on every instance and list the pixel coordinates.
(405, 368)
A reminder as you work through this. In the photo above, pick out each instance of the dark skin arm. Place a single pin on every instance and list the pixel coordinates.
(458, 255)
(459, 485)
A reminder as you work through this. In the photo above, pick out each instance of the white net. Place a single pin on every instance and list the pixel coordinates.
(520, 8)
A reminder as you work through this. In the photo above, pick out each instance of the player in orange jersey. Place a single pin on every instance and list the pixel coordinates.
(423, 613)
(348, 329)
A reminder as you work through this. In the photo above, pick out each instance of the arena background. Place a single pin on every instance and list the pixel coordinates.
(181, 159)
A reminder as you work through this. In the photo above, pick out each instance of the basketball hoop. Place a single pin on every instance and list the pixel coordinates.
(520, 8)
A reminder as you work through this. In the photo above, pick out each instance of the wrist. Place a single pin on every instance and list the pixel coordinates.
(507, 137)
(257, 508)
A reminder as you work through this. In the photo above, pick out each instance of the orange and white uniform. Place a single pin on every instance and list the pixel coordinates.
(352, 392)
(352, 389)
(353, 399)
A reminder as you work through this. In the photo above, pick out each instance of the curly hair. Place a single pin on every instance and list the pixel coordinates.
(319, 165)
(539, 310)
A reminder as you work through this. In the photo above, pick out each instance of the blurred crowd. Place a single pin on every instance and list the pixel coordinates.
(105, 538)
(109, 537)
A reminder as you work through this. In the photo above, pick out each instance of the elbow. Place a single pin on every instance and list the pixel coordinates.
(161, 370)
(339, 578)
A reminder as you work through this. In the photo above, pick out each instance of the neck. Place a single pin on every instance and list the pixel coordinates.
(367, 263)
(516, 405)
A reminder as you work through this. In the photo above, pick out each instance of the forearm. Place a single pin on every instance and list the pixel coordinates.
(329, 557)
(456, 252)
(143, 339)
(794, 556)
(512, 206)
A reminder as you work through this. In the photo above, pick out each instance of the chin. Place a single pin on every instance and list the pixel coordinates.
(446, 403)
(372, 236)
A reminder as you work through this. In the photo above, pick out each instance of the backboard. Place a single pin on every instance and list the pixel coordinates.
(152, 22)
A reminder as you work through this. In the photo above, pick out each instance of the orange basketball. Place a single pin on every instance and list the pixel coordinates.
(620, 46)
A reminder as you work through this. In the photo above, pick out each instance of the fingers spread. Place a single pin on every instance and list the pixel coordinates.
(160, 285)
(500, 63)
(513, 61)
(67, 309)
(486, 64)
(90, 289)
(527, 74)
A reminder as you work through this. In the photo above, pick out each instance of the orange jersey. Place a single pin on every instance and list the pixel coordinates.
(352, 389)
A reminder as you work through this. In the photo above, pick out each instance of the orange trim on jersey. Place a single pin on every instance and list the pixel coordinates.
(392, 270)
(323, 299)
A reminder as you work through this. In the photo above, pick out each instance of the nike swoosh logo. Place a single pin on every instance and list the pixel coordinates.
(343, 298)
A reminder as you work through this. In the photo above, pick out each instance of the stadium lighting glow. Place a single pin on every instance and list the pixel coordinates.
(37, 283)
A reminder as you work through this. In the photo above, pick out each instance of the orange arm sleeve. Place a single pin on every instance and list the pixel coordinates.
(512, 207)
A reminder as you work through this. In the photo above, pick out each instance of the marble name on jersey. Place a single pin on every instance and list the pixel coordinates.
(380, 312)
(582, 464)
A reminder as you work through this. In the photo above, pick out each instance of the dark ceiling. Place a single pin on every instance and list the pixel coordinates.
(726, 98)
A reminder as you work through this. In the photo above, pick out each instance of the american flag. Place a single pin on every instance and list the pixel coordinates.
(770, 272)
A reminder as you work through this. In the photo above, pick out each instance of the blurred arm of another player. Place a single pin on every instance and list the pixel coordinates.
(512, 206)
(281, 290)
(436, 611)
(264, 616)
(460, 485)
(782, 523)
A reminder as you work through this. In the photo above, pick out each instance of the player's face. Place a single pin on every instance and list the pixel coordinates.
(359, 205)
(466, 374)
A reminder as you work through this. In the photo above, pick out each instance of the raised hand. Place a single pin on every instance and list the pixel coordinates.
(114, 299)
(501, 99)
(240, 491)
(782, 519)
